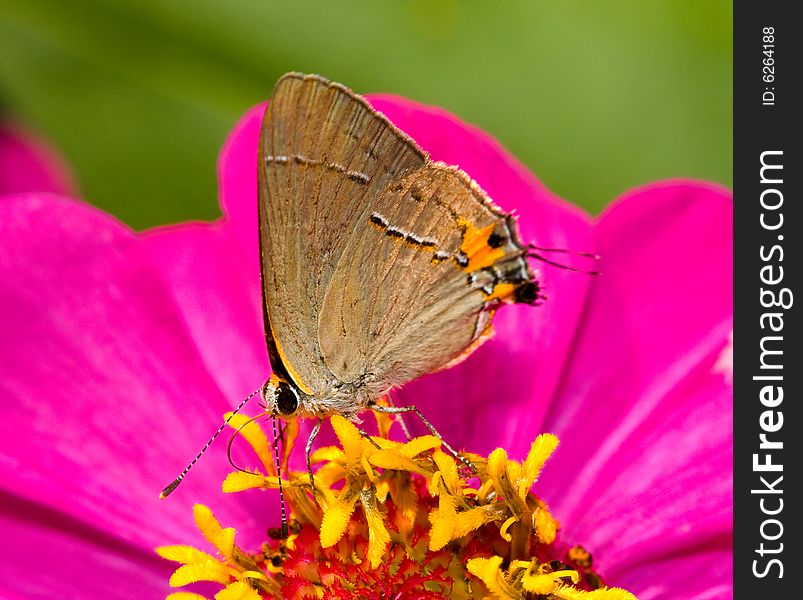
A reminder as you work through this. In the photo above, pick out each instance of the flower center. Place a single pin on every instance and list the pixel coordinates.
(395, 520)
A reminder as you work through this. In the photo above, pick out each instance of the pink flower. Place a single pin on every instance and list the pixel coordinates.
(29, 164)
(119, 352)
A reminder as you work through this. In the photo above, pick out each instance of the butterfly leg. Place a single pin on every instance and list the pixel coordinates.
(313, 434)
(396, 410)
(400, 420)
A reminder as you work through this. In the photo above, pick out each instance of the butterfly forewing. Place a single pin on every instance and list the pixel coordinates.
(324, 155)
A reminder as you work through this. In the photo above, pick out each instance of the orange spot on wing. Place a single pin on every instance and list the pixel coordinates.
(475, 246)
(502, 292)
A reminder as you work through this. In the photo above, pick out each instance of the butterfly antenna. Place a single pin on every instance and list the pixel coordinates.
(542, 258)
(234, 437)
(285, 532)
(170, 488)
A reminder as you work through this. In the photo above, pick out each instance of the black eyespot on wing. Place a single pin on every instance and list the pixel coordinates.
(528, 293)
(495, 240)
(286, 399)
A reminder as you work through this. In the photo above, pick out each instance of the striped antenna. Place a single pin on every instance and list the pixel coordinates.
(542, 258)
(170, 488)
(285, 531)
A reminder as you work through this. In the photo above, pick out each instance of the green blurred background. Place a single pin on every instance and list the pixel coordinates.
(595, 97)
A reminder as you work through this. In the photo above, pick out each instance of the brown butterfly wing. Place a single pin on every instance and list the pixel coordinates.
(324, 156)
(417, 283)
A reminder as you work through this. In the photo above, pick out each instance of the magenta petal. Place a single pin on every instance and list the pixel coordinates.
(237, 175)
(202, 266)
(53, 556)
(28, 164)
(703, 574)
(668, 489)
(644, 417)
(104, 393)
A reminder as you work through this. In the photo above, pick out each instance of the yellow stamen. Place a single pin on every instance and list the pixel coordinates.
(254, 575)
(186, 555)
(378, 533)
(336, 518)
(184, 596)
(240, 481)
(187, 574)
(570, 593)
(543, 582)
(238, 591)
(448, 470)
(327, 454)
(220, 538)
(350, 438)
(545, 527)
(498, 471)
(444, 520)
(503, 531)
(487, 569)
(418, 518)
(391, 458)
(474, 518)
(541, 449)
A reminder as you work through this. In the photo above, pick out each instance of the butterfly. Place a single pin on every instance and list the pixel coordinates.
(378, 264)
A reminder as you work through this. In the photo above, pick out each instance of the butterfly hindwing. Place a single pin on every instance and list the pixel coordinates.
(415, 286)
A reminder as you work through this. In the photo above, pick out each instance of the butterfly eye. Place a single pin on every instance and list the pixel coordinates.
(286, 399)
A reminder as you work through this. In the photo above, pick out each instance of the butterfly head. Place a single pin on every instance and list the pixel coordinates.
(281, 398)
